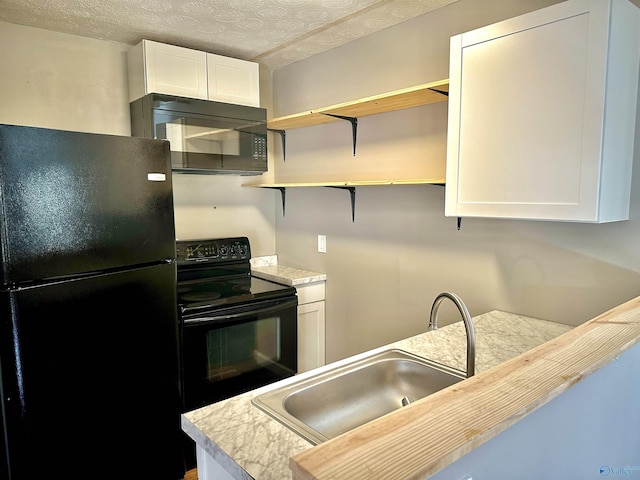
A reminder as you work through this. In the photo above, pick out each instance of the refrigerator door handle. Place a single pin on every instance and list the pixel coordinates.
(156, 177)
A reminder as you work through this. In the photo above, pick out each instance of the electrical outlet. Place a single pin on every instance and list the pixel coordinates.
(322, 243)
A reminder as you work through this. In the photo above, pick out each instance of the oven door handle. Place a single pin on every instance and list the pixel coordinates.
(234, 316)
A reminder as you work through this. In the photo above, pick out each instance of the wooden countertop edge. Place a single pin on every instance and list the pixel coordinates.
(426, 436)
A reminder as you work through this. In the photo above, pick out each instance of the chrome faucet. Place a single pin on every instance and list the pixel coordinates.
(468, 325)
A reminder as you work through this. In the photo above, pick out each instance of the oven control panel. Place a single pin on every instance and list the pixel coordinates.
(212, 250)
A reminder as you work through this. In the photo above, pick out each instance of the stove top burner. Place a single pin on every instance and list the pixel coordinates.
(218, 293)
(200, 296)
(213, 288)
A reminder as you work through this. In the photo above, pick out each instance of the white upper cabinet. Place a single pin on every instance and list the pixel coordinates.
(232, 80)
(542, 111)
(161, 68)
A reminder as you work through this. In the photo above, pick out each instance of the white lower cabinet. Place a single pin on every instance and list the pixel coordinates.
(209, 468)
(542, 111)
(311, 326)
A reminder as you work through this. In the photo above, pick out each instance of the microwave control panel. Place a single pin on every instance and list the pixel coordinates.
(259, 146)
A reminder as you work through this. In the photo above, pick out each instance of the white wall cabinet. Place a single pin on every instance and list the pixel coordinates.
(542, 112)
(232, 80)
(161, 68)
(311, 326)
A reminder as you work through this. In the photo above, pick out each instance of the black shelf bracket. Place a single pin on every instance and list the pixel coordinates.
(459, 222)
(283, 192)
(354, 127)
(352, 193)
(283, 135)
(442, 92)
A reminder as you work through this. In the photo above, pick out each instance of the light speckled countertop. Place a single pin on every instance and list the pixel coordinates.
(269, 269)
(250, 444)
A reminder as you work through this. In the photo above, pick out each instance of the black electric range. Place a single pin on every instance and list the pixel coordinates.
(238, 332)
(216, 273)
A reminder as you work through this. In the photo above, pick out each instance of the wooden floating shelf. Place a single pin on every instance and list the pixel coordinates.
(350, 183)
(350, 186)
(396, 100)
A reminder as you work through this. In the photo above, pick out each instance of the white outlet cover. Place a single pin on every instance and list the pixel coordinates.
(322, 243)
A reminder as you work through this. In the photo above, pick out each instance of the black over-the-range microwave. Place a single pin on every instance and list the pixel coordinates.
(205, 136)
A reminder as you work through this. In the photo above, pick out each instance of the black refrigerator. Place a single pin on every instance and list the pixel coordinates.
(88, 334)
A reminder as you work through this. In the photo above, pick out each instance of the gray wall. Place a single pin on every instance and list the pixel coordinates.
(385, 269)
(63, 82)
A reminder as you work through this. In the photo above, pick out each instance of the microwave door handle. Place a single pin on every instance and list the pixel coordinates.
(235, 316)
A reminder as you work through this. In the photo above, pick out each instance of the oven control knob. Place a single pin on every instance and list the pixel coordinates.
(242, 249)
(224, 250)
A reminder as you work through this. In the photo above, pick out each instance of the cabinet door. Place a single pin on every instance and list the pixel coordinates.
(528, 102)
(175, 70)
(233, 81)
(311, 336)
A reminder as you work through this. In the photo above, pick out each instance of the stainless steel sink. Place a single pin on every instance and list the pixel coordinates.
(333, 402)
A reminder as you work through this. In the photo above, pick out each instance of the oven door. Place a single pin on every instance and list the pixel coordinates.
(236, 349)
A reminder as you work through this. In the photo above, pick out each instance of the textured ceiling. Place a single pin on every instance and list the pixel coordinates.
(272, 32)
